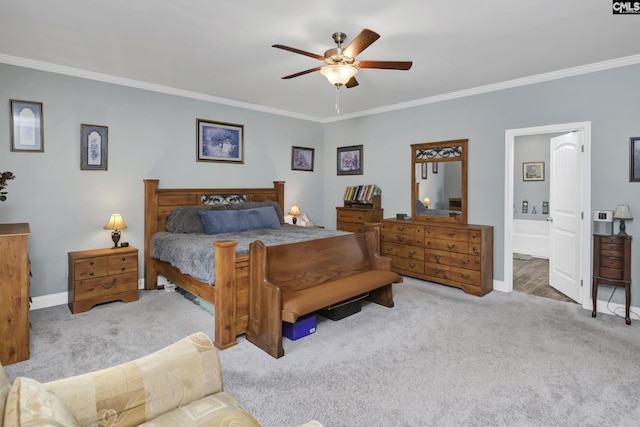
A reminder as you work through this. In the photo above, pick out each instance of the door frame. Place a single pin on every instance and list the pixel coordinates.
(585, 226)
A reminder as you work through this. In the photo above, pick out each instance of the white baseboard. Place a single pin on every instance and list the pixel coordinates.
(49, 300)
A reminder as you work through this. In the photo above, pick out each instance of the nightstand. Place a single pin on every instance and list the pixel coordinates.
(102, 275)
(612, 266)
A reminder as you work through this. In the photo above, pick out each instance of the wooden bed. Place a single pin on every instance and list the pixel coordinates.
(230, 294)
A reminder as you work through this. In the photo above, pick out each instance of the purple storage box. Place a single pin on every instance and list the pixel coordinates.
(305, 325)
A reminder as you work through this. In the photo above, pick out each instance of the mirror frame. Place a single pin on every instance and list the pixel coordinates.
(441, 151)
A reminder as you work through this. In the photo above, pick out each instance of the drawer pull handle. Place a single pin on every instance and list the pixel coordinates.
(113, 282)
(361, 217)
(451, 234)
(412, 265)
(438, 271)
(90, 262)
(466, 261)
(390, 249)
(123, 258)
(123, 268)
(400, 228)
(91, 274)
(451, 246)
(400, 238)
(412, 252)
(465, 276)
(436, 256)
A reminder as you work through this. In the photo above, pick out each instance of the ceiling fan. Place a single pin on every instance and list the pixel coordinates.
(341, 64)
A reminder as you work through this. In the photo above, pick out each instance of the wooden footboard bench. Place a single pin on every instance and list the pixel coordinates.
(292, 280)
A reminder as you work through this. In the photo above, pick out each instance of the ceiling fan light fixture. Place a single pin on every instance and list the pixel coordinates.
(338, 74)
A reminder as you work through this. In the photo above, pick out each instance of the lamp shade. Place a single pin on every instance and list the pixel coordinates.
(338, 74)
(115, 223)
(426, 201)
(295, 210)
(622, 212)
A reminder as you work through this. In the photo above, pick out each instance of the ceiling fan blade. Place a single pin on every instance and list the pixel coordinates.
(360, 43)
(352, 83)
(302, 73)
(385, 65)
(301, 52)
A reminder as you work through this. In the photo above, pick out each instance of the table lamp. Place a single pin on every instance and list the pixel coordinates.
(294, 212)
(426, 202)
(622, 213)
(116, 223)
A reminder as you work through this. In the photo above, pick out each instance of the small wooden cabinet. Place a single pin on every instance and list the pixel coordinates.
(14, 293)
(612, 266)
(102, 275)
(353, 218)
(452, 254)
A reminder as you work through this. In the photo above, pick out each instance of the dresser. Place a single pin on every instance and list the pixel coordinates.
(612, 266)
(14, 293)
(102, 275)
(353, 218)
(451, 254)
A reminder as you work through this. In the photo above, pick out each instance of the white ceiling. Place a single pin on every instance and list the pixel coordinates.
(222, 50)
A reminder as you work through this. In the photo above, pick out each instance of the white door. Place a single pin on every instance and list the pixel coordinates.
(565, 214)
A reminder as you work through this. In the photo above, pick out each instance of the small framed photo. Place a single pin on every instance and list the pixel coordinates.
(302, 159)
(424, 169)
(533, 171)
(349, 160)
(219, 142)
(93, 146)
(27, 126)
(634, 159)
(434, 167)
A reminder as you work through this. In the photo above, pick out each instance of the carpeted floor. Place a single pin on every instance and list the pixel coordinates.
(439, 357)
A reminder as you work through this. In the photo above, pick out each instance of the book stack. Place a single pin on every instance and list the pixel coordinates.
(361, 193)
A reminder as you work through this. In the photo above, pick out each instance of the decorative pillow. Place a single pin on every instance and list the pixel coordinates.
(229, 221)
(29, 403)
(5, 386)
(186, 219)
(253, 205)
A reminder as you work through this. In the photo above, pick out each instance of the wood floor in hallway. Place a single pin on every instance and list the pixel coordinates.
(531, 276)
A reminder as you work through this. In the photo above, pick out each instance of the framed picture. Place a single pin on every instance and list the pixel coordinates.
(93, 146)
(349, 160)
(434, 167)
(634, 159)
(533, 171)
(27, 129)
(220, 142)
(302, 159)
(424, 169)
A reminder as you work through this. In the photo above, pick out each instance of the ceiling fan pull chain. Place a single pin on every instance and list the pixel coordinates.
(337, 99)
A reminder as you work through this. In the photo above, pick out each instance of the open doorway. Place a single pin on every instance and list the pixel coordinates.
(573, 210)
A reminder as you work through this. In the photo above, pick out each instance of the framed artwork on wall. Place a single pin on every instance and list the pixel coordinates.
(93, 146)
(424, 169)
(219, 142)
(634, 159)
(302, 159)
(27, 126)
(349, 160)
(533, 171)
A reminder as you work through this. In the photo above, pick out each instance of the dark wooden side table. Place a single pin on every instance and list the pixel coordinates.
(612, 266)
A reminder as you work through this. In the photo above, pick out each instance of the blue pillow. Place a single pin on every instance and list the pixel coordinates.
(228, 221)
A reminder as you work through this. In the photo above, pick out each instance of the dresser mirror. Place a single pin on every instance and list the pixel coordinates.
(439, 181)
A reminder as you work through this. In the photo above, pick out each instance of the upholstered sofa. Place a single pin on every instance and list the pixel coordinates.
(180, 385)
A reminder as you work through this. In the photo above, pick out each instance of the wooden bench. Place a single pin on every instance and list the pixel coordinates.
(292, 280)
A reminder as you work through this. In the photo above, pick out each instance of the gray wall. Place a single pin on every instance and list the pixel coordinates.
(152, 135)
(530, 148)
(609, 99)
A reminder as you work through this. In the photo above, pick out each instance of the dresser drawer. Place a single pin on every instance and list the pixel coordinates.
(462, 275)
(448, 245)
(91, 267)
(436, 271)
(123, 263)
(107, 285)
(405, 251)
(611, 262)
(402, 228)
(359, 215)
(446, 233)
(610, 273)
(405, 239)
(611, 253)
(352, 227)
(407, 264)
